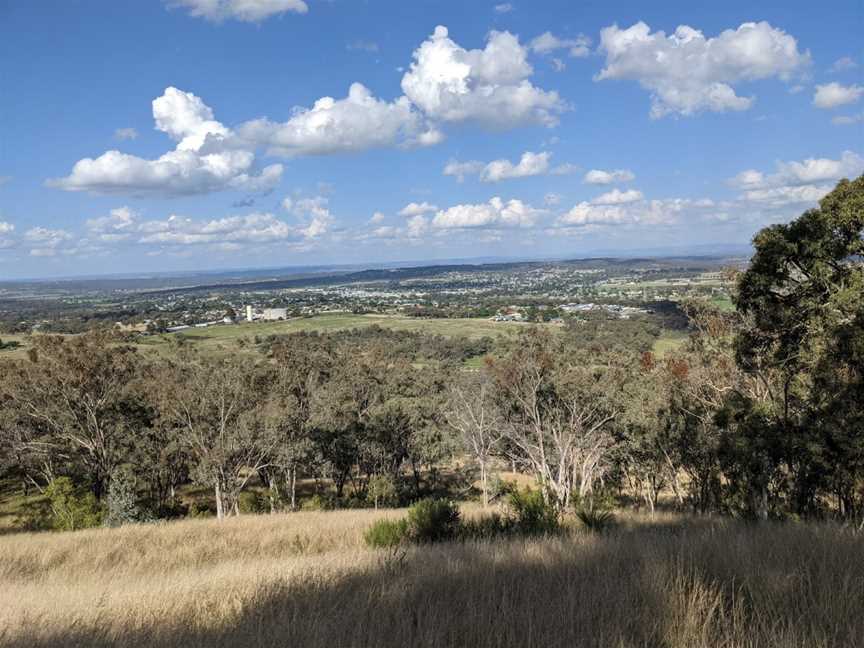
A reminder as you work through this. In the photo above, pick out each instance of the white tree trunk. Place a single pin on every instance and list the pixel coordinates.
(220, 512)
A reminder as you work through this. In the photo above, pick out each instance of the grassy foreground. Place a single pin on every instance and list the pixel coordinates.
(305, 579)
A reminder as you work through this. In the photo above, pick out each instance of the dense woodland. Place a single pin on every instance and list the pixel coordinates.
(760, 414)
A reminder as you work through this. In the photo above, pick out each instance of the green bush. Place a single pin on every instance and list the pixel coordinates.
(200, 510)
(252, 502)
(123, 500)
(595, 518)
(382, 491)
(532, 515)
(486, 527)
(319, 502)
(500, 488)
(387, 533)
(433, 520)
(71, 508)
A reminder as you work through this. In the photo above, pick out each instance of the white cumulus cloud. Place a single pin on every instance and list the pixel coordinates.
(600, 177)
(415, 209)
(795, 183)
(687, 73)
(833, 94)
(494, 214)
(633, 213)
(617, 197)
(461, 169)
(488, 86)
(242, 10)
(198, 164)
(124, 225)
(359, 121)
(548, 43)
(530, 164)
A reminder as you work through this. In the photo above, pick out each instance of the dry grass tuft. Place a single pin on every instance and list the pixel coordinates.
(305, 579)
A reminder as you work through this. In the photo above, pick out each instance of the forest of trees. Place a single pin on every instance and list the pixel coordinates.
(759, 414)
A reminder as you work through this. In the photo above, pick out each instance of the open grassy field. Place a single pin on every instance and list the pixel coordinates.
(473, 328)
(669, 341)
(306, 579)
(214, 337)
(19, 351)
(211, 338)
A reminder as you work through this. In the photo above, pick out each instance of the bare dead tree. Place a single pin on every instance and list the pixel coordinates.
(473, 413)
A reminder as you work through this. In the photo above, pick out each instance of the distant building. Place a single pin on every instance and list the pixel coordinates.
(248, 313)
(272, 314)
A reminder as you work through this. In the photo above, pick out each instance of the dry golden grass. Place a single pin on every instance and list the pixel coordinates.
(305, 579)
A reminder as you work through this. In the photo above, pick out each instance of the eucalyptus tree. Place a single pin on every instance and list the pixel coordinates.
(473, 413)
(302, 366)
(802, 300)
(215, 405)
(74, 394)
(558, 406)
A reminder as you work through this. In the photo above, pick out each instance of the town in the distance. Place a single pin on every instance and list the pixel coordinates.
(216, 307)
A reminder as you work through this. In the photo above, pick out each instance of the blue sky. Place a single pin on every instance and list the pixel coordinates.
(197, 134)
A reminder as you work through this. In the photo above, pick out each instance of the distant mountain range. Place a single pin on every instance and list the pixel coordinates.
(288, 276)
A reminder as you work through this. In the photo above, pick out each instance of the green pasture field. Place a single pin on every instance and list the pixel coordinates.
(668, 342)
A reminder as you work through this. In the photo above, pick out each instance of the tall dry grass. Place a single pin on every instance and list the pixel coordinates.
(306, 580)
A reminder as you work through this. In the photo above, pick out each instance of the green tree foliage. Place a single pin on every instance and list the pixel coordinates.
(531, 513)
(433, 520)
(77, 394)
(215, 402)
(802, 303)
(382, 491)
(122, 502)
(386, 534)
(71, 508)
(559, 405)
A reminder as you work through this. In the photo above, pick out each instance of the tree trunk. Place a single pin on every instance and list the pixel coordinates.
(273, 492)
(484, 484)
(416, 473)
(294, 489)
(220, 513)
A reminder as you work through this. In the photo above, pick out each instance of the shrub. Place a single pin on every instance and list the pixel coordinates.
(252, 502)
(71, 508)
(499, 488)
(433, 520)
(200, 510)
(486, 527)
(386, 533)
(595, 518)
(320, 502)
(533, 515)
(382, 491)
(122, 500)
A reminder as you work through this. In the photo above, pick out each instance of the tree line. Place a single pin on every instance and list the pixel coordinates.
(760, 413)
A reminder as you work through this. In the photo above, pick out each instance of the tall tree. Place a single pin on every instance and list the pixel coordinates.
(558, 407)
(803, 302)
(473, 413)
(214, 403)
(77, 389)
(302, 365)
